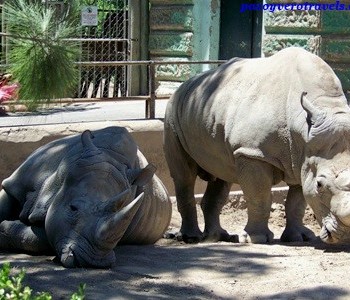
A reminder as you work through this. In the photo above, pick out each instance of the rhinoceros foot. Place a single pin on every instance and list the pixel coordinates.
(258, 236)
(189, 238)
(297, 234)
(180, 237)
(220, 235)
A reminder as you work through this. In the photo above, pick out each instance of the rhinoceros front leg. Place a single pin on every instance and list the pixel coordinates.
(14, 235)
(213, 200)
(9, 207)
(295, 230)
(256, 179)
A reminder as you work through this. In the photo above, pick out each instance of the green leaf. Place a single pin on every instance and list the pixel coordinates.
(80, 294)
(11, 287)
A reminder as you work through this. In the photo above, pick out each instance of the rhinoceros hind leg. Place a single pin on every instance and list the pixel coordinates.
(183, 169)
(15, 235)
(295, 231)
(213, 200)
(186, 205)
(256, 180)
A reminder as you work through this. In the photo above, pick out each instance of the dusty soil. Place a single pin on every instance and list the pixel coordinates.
(173, 270)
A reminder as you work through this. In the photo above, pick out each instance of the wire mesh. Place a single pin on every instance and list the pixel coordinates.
(108, 41)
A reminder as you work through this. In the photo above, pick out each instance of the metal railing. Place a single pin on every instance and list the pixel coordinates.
(150, 99)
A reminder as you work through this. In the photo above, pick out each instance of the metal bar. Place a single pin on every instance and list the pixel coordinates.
(88, 100)
(96, 40)
(151, 102)
(66, 40)
(146, 62)
(137, 62)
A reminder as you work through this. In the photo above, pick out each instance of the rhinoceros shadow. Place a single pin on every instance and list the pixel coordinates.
(173, 271)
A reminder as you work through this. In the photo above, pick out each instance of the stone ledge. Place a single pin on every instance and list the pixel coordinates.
(279, 194)
(172, 17)
(36, 133)
(171, 44)
(274, 43)
(170, 2)
(336, 49)
(292, 22)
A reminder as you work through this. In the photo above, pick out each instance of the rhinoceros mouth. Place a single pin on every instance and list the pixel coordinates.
(73, 256)
(333, 231)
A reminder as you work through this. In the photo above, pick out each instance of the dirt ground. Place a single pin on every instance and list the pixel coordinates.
(173, 270)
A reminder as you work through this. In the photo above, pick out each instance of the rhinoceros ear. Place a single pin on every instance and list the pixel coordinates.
(89, 149)
(140, 177)
(313, 113)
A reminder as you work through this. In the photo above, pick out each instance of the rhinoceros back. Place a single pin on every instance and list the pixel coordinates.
(250, 108)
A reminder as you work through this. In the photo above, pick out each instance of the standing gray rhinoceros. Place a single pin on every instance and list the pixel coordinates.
(81, 196)
(250, 122)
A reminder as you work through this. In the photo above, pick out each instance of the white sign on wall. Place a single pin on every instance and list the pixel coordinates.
(89, 16)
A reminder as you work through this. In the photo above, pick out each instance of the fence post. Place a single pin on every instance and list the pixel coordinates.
(151, 101)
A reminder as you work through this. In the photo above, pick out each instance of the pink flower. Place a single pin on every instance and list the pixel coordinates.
(8, 92)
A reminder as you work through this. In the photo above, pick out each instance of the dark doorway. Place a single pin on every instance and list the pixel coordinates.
(240, 32)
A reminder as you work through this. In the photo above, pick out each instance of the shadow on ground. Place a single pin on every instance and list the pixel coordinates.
(57, 109)
(203, 271)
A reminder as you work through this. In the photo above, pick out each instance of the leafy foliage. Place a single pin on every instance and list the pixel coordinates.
(41, 57)
(11, 287)
(80, 294)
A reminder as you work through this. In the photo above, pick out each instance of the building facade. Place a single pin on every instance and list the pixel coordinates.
(220, 29)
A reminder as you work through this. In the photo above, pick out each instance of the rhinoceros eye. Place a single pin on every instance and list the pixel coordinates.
(73, 207)
(321, 181)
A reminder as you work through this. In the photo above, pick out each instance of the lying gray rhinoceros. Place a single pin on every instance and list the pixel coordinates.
(81, 196)
(250, 122)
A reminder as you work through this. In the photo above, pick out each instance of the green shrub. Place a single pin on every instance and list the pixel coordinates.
(41, 58)
(12, 288)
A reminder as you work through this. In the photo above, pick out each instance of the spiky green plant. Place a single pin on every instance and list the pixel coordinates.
(12, 287)
(41, 58)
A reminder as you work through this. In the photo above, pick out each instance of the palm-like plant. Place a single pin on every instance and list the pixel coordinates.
(41, 57)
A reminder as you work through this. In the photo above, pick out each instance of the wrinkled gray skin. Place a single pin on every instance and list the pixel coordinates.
(250, 122)
(81, 196)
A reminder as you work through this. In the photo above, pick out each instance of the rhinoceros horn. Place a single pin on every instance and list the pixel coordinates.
(112, 227)
(89, 149)
(119, 201)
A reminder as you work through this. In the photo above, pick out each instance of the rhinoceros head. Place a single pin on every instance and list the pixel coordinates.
(95, 205)
(326, 173)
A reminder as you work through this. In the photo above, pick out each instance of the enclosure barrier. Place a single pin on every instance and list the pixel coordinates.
(150, 104)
